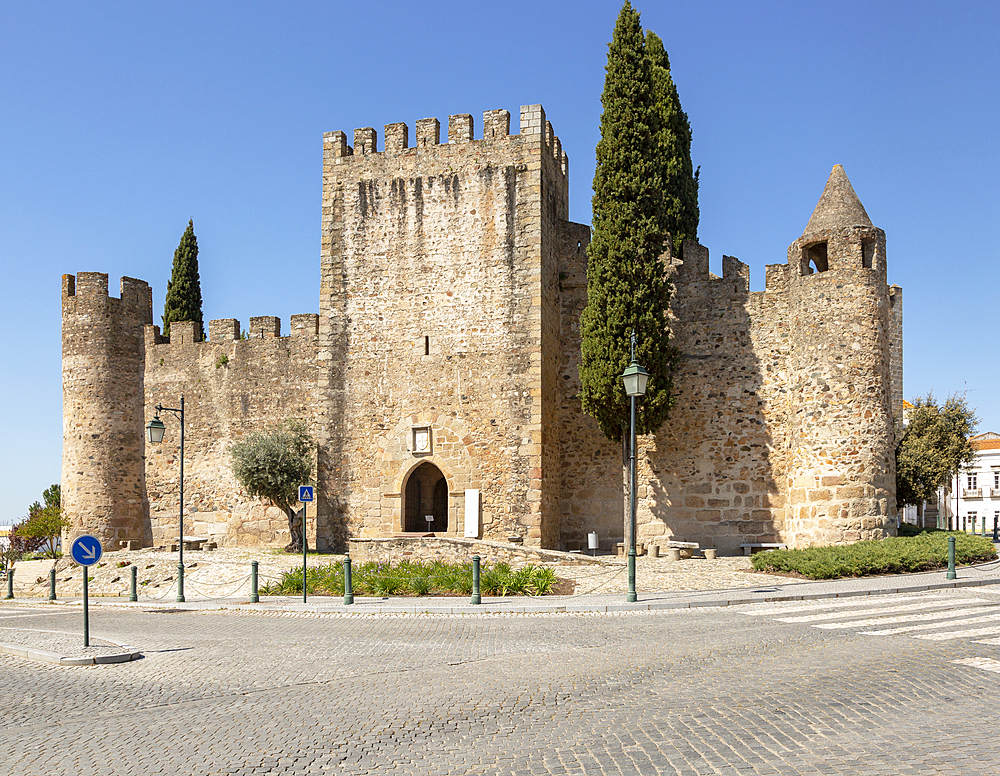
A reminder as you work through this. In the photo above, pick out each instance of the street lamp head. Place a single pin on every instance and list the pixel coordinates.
(635, 379)
(155, 429)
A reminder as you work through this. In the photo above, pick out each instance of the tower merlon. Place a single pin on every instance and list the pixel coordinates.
(223, 330)
(91, 288)
(460, 128)
(734, 269)
(265, 326)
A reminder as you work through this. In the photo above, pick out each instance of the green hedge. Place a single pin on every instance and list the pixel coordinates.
(895, 555)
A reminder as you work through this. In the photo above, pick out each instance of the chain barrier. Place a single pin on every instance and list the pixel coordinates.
(389, 582)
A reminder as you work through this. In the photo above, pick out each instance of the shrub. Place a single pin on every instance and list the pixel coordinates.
(410, 578)
(894, 555)
(542, 581)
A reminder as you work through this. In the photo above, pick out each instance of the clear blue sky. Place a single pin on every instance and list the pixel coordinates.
(120, 121)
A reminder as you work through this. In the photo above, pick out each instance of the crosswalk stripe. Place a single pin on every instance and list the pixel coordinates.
(840, 604)
(985, 663)
(886, 609)
(960, 622)
(958, 634)
(938, 615)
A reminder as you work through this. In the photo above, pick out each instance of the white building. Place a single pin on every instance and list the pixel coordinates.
(977, 487)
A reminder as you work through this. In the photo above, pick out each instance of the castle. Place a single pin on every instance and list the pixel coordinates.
(440, 376)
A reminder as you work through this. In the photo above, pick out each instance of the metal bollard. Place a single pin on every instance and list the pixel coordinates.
(951, 557)
(134, 593)
(254, 597)
(348, 589)
(10, 581)
(996, 528)
(52, 583)
(476, 598)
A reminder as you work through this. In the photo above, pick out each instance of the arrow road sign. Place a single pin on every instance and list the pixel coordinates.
(86, 550)
(305, 493)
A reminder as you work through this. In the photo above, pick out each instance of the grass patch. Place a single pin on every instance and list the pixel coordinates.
(925, 551)
(409, 578)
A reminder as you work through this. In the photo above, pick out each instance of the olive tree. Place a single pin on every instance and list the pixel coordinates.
(271, 464)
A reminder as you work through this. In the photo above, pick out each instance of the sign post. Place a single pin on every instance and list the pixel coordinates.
(86, 550)
(305, 496)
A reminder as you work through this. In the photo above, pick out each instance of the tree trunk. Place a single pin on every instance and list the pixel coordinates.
(295, 530)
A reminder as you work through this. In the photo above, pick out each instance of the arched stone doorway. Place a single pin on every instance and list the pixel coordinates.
(426, 494)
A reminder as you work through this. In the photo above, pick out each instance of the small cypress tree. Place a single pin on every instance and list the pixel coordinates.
(183, 302)
(627, 284)
(679, 184)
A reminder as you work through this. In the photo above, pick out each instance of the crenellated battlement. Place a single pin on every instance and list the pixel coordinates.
(90, 289)
(302, 325)
(461, 130)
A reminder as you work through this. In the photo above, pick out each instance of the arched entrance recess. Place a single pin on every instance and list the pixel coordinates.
(426, 494)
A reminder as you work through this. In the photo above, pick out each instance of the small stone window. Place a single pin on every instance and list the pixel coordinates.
(814, 258)
(422, 441)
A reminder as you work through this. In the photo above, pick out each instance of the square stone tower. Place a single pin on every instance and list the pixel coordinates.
(441, 327)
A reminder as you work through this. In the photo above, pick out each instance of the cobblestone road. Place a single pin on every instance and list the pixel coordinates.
(703, 691)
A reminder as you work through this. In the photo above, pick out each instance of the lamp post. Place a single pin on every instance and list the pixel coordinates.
(635, 378)
(155, 429)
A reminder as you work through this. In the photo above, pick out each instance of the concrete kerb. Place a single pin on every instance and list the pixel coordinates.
(42, 656)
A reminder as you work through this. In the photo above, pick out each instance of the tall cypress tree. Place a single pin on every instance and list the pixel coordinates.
(627, 284)
(673, 140)
(183, 302)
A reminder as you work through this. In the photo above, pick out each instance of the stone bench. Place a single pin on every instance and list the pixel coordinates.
(752, 547)
(621, 549)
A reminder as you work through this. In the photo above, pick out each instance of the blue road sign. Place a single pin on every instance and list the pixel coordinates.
(86, 550)
(305, 493)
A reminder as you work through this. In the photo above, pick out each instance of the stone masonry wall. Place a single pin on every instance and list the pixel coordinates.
(103, 490)
(712, 473)
(231, 386)
(439, 278)
(841, 471)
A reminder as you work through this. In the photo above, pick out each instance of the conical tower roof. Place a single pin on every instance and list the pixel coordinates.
(838, 207)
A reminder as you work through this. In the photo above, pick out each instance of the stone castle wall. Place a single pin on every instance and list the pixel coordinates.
(713, 473)
(103, 487)
(231, 386)
(440, 314)
(443, 364)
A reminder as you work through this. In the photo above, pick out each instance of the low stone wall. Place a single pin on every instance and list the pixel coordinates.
(251, 524)
(425, 549)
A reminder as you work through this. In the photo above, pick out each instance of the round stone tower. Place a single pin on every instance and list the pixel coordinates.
(103, 480)
(841, 467)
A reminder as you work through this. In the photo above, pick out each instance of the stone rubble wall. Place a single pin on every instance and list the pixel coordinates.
(841, 466)
(455, 550)
(231, 386)
(103, 488)
(712, 473)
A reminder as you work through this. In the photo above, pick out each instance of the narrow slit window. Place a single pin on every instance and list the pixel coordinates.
(427, 346)
(868, 254)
